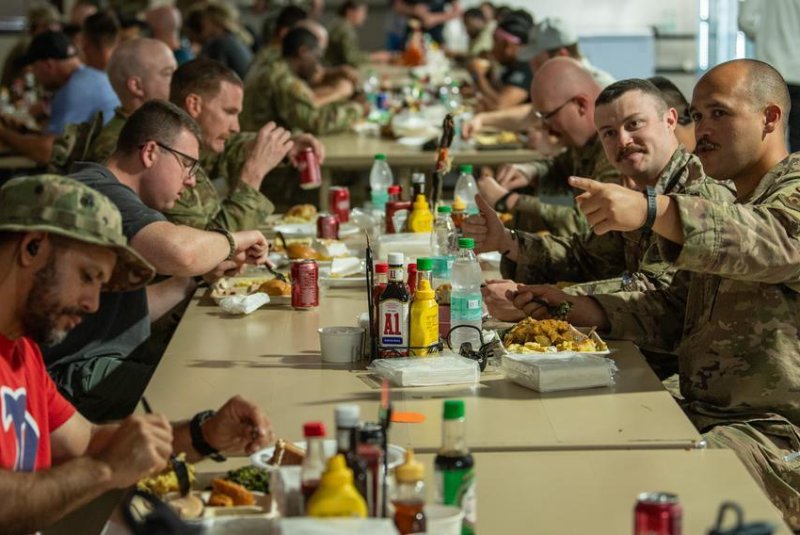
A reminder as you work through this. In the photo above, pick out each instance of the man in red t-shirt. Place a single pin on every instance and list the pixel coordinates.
(61, 243)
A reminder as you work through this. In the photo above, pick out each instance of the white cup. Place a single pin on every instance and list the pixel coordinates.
(443, 519)
(340, 345)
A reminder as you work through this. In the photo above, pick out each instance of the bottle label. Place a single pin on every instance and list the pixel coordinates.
(393, 326)
(457, 487)
(396, 273)
(466, 307)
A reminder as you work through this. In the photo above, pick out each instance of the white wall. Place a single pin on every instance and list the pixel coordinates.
(590, 15)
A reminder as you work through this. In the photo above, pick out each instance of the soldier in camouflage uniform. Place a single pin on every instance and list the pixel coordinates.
(270, 52)
(553, 208)
(735, 319)
(281, 93)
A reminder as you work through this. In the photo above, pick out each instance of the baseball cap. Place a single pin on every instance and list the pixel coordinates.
(63, 206)
(550, 34)
(49, 45)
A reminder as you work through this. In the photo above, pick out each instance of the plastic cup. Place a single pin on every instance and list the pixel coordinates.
(341, 345)
(443, 519)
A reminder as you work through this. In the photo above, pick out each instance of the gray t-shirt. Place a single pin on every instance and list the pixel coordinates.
(122, 321)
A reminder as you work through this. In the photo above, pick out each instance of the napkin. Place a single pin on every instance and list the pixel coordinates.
(566, 371)
(428, 371)
(335, 526)
(243, 304)
(342, 267)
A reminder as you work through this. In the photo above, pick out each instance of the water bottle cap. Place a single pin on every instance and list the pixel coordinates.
(444, 209)
(394, 189)
(466, 243)
(380, 156)
(467, 168)
(453, 409)
(424, 264)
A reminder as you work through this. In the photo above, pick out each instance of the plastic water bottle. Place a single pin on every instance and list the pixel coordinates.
(371, 88)
(380, 178)
(465, 299)
(466, 189)
(443, 238)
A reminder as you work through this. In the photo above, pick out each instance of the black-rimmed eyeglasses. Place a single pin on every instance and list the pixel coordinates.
(187, 162)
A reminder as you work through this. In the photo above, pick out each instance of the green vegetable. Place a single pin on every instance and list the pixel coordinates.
(250, 477)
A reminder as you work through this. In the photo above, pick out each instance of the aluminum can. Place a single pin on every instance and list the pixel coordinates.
(310, 175)
(657, 513)
(327, 226)
(339, 203)
(305, 287)
(382, 100)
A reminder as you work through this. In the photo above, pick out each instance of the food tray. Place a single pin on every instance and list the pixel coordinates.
(247, 285)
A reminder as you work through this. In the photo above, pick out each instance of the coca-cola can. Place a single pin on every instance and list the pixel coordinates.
(657, 513)
(310, 175)
(327, 226)
(339, 203)
(305, 287)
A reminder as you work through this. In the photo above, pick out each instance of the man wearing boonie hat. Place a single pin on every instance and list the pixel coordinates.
(61, 243)
(511, 85)
(79, 92)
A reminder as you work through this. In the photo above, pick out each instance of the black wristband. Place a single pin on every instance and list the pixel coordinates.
(231, 241)
(199, 442)
(501, 206)
(652, 208)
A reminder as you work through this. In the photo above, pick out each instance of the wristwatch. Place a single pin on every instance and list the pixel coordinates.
(513, 234)
(231, 241)
(652, 208)
(501, 206)
(199, 442)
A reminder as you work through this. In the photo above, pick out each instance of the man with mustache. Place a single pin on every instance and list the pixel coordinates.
(101, 366)
(563, 94)
(61, 244)
(736, 320)
(637, 130)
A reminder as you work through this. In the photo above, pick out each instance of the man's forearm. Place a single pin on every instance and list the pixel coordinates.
(165, 295)
(37, 147)
(668, 220)
(513, 118)
(180, 250)
(488, 92)
(34, 500)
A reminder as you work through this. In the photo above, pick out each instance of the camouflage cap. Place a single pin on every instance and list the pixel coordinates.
(63, 206)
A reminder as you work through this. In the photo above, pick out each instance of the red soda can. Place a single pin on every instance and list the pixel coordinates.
(657, 513)
(305, 290)
(339, 203)
(327, 226)
(310, 175)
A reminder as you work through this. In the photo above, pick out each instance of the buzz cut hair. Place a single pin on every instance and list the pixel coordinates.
(296, 39)
(155, 120)
(767, 86)
(201, 76)
(617, 89)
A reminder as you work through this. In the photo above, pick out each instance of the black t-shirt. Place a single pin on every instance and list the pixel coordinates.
(517, 74)
(434, 6)
(231, 52)
(122, 322)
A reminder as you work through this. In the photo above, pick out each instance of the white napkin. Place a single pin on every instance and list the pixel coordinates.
(243, 304)
(342, 267)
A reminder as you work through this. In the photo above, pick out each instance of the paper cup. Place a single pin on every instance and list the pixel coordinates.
(443, 519)
(341, 345)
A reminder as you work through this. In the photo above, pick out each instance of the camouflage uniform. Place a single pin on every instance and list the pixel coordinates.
(263, 59)
(276, 94)
(343, 47)
(532, 214)
(588, 257)
(244, 208)
(735, 320)
(106, 142)
(75, 144)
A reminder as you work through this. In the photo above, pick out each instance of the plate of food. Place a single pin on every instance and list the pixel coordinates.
(285, 453)
(490, 140)
(300, 213)
(319, 249)
(309, 230)
(279, 292)
(551, 336)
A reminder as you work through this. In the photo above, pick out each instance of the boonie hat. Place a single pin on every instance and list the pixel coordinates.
(63, 206)
(550, 34)
(49, 45)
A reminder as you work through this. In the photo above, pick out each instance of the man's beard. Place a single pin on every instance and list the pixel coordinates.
(43, 309)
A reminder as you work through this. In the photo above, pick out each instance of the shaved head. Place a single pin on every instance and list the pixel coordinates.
(164, 19)
(564, 76)
(150, 62)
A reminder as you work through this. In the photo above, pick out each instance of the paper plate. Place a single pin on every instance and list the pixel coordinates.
(260, 458)
(301, 230)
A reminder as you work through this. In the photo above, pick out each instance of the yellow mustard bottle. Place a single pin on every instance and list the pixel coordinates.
(336, 495)
(424, 319)
(421, 218)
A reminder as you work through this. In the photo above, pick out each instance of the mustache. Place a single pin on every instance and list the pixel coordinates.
(627, 150)
(705, 143)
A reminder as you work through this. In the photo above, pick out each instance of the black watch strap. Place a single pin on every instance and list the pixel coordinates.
(652, 208)
(199, 442)
(501, 206)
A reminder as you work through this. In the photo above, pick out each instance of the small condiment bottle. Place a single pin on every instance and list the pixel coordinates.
(396, 211)
(409, 497)
(314, 461)
(379, 285)
(347, 429)
(421, 218)
(370, 439)
(411, 279)
(336, 495)
(459, 212)
(424, 319)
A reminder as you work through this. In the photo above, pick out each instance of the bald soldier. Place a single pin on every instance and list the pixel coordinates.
(737, 320)
(563, 96)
